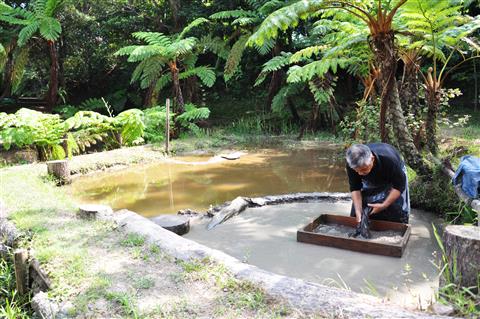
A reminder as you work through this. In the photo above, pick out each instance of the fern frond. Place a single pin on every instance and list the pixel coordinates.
(274, 64)
(270, 6)
(280, 100)
(153, 38)
(306, 53)
(229, 14)
(182, 47)
(142, 52)
(51, 7)
(163, 81)
(316, 68)
(234, 57)
(192, 114)
(282, 19)
(50, 28)
(27, 32)
(205, 74)
(244, 21)
(192, 25)
(215, 45)
(20, 62)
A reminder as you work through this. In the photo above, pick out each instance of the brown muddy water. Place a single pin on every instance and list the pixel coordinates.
(196, 182)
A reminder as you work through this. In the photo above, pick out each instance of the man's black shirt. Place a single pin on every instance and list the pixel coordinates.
(387, 169)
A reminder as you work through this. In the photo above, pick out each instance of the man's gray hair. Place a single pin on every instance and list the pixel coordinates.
(359, 155)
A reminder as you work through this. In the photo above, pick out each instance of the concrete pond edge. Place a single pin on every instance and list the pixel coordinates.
(308, 297)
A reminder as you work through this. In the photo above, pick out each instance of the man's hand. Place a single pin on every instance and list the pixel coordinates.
(377, 208)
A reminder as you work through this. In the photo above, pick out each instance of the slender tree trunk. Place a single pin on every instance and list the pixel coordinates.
(409, 90)
(61, 59)
(475, 91)
(433, 102)
(177, 88)
(275, 82)
(8, 73)
(52, 93)
(149, 95)
(275, 85)
(175, 7)
(386, 60)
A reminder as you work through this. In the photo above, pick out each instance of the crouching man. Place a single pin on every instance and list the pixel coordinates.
(378, 178)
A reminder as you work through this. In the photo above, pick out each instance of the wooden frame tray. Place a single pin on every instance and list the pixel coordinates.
(307, 235)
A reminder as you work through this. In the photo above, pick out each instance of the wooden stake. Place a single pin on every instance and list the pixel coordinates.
(167, 128)
(20, 257)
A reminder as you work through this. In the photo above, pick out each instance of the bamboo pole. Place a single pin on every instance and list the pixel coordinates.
(167, 127)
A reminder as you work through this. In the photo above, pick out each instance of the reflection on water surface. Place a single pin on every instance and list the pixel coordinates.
(168, 187)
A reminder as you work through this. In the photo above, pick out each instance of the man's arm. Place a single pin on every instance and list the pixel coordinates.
(357, 204)
(377, 208)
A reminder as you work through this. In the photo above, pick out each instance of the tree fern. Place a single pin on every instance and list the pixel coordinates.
(183, 46)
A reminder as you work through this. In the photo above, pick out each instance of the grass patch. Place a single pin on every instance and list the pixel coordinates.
(133, 240)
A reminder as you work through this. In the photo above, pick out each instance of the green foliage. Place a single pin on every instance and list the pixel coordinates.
(132, 126)
(234, 57)
(361, 124)
(437, 195)
(28, 127)
(155, 119)
(191, 115)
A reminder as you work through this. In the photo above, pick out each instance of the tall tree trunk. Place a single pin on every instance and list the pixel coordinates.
(433, 102)
(175, 7)
(177, 88)
(61, 59)
(409, 90)
(275, 82)
(52, 93)
(8, 73)
(275, 85)
(386, 61)
(149, 95)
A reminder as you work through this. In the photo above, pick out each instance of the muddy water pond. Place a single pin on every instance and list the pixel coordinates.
(196, 182)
